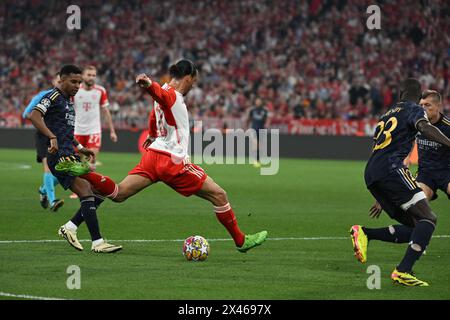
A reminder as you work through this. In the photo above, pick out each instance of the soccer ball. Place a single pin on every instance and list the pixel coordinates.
(196, 248)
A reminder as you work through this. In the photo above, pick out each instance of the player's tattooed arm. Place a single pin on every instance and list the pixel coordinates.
(39, 124)
(432, 133)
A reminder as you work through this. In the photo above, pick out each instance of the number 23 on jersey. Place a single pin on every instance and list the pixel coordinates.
(383, 133)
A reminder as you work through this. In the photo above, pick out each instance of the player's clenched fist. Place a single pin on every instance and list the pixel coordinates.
(143, 80)
(375, 210)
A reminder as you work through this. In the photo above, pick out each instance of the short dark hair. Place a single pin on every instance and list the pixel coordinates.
(410, 90)
(90, 67)
(432, 93)
(183, 68)
(68, 69)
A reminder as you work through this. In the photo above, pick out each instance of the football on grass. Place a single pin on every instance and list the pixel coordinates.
(196, 248)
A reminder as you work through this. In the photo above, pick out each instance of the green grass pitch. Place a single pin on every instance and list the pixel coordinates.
(308, 208)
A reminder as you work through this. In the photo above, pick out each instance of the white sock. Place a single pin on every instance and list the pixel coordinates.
(97, 242)
(70, 225)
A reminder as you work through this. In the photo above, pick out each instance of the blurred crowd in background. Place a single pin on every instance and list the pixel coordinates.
(305, 59)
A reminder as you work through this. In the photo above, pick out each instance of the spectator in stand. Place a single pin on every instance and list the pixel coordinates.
(245, 49)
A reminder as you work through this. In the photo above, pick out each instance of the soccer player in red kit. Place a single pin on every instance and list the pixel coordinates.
(166, 158)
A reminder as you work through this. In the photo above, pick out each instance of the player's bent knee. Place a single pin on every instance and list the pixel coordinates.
(421, 211)
(433, 218)
(429, 194)
(427, 190)
(430, 217)
(432, 221)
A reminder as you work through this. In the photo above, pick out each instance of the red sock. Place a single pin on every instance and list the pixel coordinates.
(226, 216)
(103, 185)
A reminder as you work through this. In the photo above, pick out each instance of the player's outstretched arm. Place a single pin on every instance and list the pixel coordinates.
(433, 133)
(164, 98)
(143, 81)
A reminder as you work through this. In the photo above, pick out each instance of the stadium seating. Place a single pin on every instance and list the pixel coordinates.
(314, 60)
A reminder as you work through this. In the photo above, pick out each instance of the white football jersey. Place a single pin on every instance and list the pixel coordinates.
(87, 109)
(169, 121)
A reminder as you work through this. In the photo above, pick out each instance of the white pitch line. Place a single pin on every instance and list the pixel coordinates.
(8, 166)
(181, 240)
(166, 240)
(25, 296)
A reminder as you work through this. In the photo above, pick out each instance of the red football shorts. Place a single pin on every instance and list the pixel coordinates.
(186, 179)
(91, 141)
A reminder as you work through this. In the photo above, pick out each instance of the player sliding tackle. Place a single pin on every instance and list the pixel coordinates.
(166, 158)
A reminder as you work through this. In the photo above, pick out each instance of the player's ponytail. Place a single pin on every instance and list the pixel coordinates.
(174, 72)
(183, 68)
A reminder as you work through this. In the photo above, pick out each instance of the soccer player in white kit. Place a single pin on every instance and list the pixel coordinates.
(90, 99)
